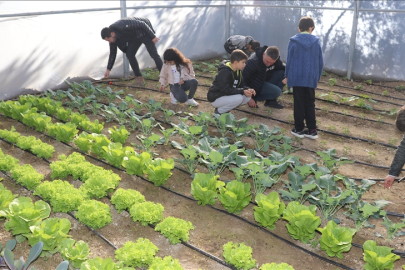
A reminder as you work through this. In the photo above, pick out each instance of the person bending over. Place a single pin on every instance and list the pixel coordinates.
(247, 44)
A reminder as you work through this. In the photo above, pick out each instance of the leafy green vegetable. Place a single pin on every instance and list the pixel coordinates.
(64, 114)
(93, 127)
(302, 221)
(25, 142)
(137, 164)
(335, 239)
(76, 254)
(6, 197)
(118, 135)
(204, 188)
(175, 229)
(167, 263)
(98, 264)
(94, 214)
(84, 141)
(275, 266)
(62, 132)
(136, 254)
(378, 257)
(27, 176)
(147, 212)
(7, 162)
(235, 196)
(239, 255)
(10, 135)
(159, 170)
(269, 209)
(42, 150)
(100, 183)
(125, 198)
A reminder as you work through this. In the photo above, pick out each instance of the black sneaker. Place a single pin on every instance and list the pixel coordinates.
(299, 134)
(274, 104)
(311, 133)
(216, 111)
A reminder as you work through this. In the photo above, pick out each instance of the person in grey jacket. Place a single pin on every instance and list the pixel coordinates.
(128, 34)
(399, 158)
(244, 43)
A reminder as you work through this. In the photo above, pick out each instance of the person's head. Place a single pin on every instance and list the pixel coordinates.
(253, 45)
(173, 56)
(400, 121)
(108, 35)
(306, 24)
(270, 55)
(238, 59)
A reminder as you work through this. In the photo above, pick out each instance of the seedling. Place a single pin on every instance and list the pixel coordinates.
(362, 116)
(373, 136)
(345, 79)
(346, 112)
(345, 130)
(325, 109)
(385, 92)
(399, 87)
(346, 149)
(380, 119)
(332, 128)
(392, 141)
(371, 154)
(359, 87)
(332, 81)
(290, 118)
(269, 111)
(369, 82)
(323, 144)
(324, 73)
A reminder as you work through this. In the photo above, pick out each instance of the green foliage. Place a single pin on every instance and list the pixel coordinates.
(118, 135)
(269, 209)
(147, 212)
(148, 142)
(136, 254)
(84, 142)
(204, 188)
(76, 254)
(329, 160)
(368, 82)
(92, 127)
(62, 132)
(114, 153)
(99, 183)
(302, 221)
(335, 239)
(235, 196)
(239, 255)
(124, 198)
(159, 170)
(25, 142)
(393, 229)
(167, 263)
(42, 150)
(137, 164)
(10, 135)
(378, 257)
(332, 81)
(27, 176)
(7, 162)
(6, 197)
(275, 266)
(190, 159)
(63, 114)
(359, 87)
(98, 264)
(175, 229)
(94, 214)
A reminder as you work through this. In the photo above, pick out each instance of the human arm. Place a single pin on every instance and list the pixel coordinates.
(396, 165)
(163, 76)
(321, 63)
(290, 53)
(111, 57)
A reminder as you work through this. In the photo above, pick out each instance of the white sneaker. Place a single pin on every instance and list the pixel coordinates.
(174, 101)
(192, 102)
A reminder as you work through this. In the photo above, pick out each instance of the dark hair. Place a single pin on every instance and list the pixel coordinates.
(106, 32)
(238, 55)
(273, 52)
(254, 44)
(173, 54)
(400, 121)
(305, 23)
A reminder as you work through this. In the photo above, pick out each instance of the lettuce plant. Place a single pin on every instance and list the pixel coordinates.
(27, 176)
(175, 229)
(137, 164)
(42, 150)
(93, 127)
(125, 198)
(118, 135)
(62, 132)
(269, 209)
(94, 214)
(63, 114)
(235, 196)
(114, 153)
(147, 212)
(159, 170)
(302, 221)
(139, 253)
(378, 257)
(7, 162)
(100, 183)
(204, 188)
(99, 140)
(98, 264)
(84, 141)
(166, 263)
(239, 255)
(335, 239)
(6, 197)
(275, 266)
(25, 142)
(76, 254)
(10, 135)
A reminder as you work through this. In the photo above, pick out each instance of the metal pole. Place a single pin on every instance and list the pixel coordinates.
(228, 19)
(123, 4)
(353, 37)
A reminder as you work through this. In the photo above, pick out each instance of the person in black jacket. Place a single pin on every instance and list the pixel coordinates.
(228, 90)
(128, 34)
(264, 73)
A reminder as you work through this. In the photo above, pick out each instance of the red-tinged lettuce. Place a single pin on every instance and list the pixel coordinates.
(159, 170)
(204, 188)
(94, 214)
(7, 162)
(10, 135)
(125, 198)
(335, 239)
(235, 196)
(239, 255)
(275, 266)
(147, 212)
(51, 232)
(137, 164)
(27, 176)
(136, 254)
(6, 197)
(118, 135)
(269, 209)
(76, 254)
(167, 263)
(43, 150)
(378, 257)
(302, 221)
(175, 229)
(22, 214)
(98, 264)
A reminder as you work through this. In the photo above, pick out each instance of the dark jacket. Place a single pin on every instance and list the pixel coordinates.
(399, 159)
(128, 29)
(226, 83)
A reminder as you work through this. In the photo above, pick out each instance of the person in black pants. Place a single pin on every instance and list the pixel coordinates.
(128, 34)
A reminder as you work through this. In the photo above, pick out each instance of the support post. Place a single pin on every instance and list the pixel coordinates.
(123, 5)
(353, 37)
(228, 19)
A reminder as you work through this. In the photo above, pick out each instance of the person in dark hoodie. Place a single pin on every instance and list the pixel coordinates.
(264, 72)
(228, 90)
(303, 71)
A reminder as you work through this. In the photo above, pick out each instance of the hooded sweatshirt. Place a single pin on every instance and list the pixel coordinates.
(226, 83)
(304, 61)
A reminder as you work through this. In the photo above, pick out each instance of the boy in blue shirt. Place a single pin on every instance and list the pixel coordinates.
(303, 71)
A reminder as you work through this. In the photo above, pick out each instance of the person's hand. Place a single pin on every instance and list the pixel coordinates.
(155, 40)
(247, 93)
(107, 73)
(252, 91)
(389, 180)
(181, 81)
(252, 103)
(284, 81)
(161, 88)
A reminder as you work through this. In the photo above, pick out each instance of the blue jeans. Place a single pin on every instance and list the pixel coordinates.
(271, 89)
(179, 91)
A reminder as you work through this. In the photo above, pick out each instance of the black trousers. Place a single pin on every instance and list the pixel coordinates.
(304, 107)
(132, 49)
